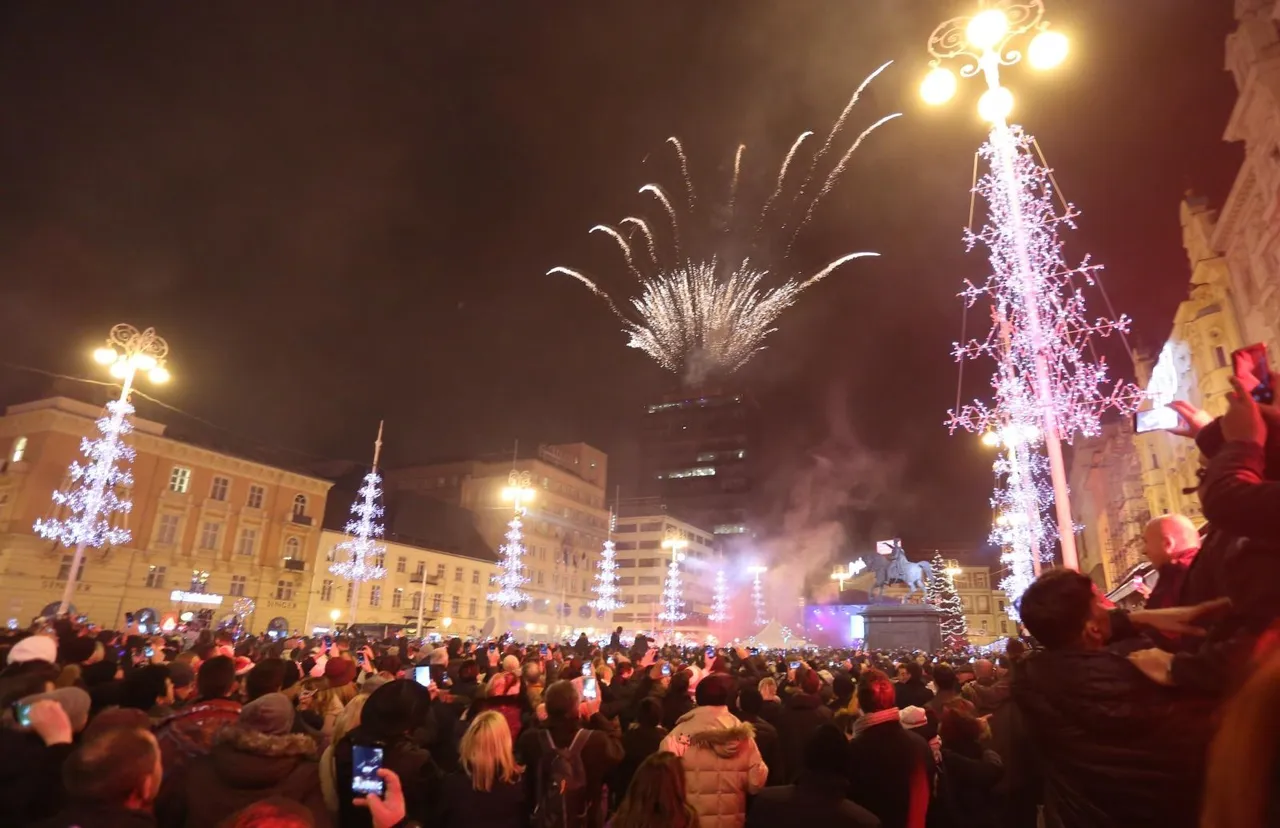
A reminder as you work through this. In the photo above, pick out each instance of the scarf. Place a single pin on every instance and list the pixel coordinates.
(869, 720)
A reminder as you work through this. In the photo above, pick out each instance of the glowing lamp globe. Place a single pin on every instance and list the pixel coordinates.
(144, 362)
(995, 104)
(986, 28)
(1047, 50)
(938, 86)
(991, 439)
(119, 369)
(159, 375)
(105, 355)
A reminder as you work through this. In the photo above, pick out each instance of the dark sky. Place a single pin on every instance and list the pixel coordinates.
(342, 212)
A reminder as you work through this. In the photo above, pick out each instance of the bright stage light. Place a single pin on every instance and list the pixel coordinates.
(1047, 50)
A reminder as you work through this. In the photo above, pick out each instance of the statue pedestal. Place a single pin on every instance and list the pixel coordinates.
(903, 627)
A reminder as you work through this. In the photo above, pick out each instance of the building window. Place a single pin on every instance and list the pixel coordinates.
(979, 580)
(1004, 626)
(284, 590)
(293, 549)
(248, 539)
(380, 560)
(540, 577)
(167, 531)
(416, 603)
(440, 571)
(256, 494)
(209, 535)
(453, 605)
(375, 595)
(219, 489)
(351, 586)
(19, 450)
(457, 574)
(397, 596)
(730, 529)
(471, 607)
(155, 577)
(436, 598)
(300, 505)
(199, 581)
(421, 570)
(238, 583)
(1220, 356)
(475, 577)
(180, 479)
(326, 591)
(401, 563)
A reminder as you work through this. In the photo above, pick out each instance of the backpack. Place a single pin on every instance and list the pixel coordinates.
(562, 783)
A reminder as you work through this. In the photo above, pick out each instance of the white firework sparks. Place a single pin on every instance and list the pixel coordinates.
(694, 315)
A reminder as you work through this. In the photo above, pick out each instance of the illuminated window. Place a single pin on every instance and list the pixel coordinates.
(180, 479)
(155, 577)
(696, 471)
(300, 505)
(293, 549)
(19, 450)
(397, 597)
(730, 529)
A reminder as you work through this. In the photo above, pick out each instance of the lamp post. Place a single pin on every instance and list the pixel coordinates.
(842, 574)
(982, 42)
(1019, 520)
(93, 499)
(672, 592)
(757, 593)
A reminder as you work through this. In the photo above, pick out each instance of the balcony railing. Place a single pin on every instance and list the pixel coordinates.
(301, 520)
(295, 564)
(422, 578)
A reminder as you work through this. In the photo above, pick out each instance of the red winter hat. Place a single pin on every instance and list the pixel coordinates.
(340, 671)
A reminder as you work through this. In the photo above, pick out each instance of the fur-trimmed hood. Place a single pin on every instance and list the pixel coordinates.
(245, 758)
(713, 728)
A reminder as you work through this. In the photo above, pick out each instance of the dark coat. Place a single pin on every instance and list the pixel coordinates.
(78, 815)
(913, 693)
(1168, 589)
(246, 766)
(189, 732)
(813, 801)
(600, 755)
(966, 795)
(675, 705)
(770, 745)
(30, 776)
(419, 777)
(462, 806)
(891, 773)
(1114, 748)
(801, 715)
(638, 744)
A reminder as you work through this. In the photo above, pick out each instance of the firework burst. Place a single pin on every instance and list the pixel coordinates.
(698, 315)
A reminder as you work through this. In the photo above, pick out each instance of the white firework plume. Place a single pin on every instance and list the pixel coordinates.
(699, 313)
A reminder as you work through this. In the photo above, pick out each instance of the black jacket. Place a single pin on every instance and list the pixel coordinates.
(890, 771)
(1114, 748)
(601, 754)
(816, 801)
(800, 716)
(638, 744)
(913, 693)
(30, 777)
(419, 777)
(966, 795)
(84, 815)
(462, 806)
(770, 745)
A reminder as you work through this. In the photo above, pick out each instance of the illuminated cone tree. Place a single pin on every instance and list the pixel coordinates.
(720, 601)
(358, 558)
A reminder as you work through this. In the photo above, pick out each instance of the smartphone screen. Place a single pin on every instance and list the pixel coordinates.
(666, 669)
(544, 650)
(150, 651)
(1156, 419)
(795, 665)
(586, 669)
(609, 660)
(128, 618)
(1252, 367)
(366, 761)
(22, 714)
(360, 658)
(589, 689)
(422, 675)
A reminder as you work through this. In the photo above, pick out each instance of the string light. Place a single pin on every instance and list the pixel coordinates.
(606, 585)
(361, 549)
(757, 595)
(720, 601)
(511, 569)
(92, 496)
(672, 596)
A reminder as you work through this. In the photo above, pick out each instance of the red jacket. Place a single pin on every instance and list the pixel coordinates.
(189, 732)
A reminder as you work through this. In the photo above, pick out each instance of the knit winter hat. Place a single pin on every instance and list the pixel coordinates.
(73, 700)
(913, 717)
(34, 648)
(271, 714)
(340, 671)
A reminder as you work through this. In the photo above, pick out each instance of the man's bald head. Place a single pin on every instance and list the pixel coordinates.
(984, 669)
(1170, 538)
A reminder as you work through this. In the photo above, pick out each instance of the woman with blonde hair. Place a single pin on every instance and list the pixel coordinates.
(656, 797)
(489, 791)
(347, 721)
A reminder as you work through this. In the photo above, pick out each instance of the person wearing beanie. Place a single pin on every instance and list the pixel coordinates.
(818, 796)
(257, 757)
(924, 722)
(31, 757)
(34, 648)
(802, 713)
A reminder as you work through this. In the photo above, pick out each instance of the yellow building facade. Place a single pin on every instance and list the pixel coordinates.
(210, 531)
(449, 589)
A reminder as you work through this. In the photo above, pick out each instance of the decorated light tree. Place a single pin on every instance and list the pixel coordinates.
(512, 575)
(356, 558)
(720, 601)
(942, 594)
(757, 595)
(1048, 384)
(97, 492)
(606, 585)
(672, 588)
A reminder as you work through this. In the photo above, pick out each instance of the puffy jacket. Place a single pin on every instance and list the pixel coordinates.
(1115, 748)
(189, 732)
(722, 765)
(246, 766)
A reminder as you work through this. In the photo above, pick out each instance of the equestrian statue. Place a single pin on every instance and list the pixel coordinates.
(895, 567)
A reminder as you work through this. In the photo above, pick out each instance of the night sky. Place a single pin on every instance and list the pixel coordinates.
(340, 212)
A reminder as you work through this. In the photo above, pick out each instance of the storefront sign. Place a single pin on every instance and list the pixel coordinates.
(180, 597)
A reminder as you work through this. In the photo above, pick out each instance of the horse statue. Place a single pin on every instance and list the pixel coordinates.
(896, 567)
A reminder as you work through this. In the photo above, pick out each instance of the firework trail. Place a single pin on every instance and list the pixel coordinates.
(782, 176)
(737, 171)
(684, 167)
(700, 313)
(626, 248)
(671, 213)
(648, 235)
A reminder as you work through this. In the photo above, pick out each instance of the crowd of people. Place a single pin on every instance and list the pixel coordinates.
(1100, 717)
